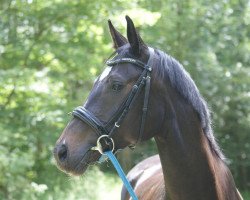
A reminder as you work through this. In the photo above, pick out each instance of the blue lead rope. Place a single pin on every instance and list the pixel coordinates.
(121, 174)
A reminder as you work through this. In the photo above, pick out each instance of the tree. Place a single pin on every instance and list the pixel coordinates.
(52, 51)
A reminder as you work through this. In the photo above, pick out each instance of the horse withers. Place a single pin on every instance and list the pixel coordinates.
(145, 93)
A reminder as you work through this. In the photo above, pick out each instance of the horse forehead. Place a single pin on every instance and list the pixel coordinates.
(105, 73)
(124, 70)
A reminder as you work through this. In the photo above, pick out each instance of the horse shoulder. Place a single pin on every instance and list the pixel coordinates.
(147, 180)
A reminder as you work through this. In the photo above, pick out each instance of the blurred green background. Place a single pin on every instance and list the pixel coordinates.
(51, 52)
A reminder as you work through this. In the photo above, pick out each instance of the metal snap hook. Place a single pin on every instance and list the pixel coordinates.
(98, 146)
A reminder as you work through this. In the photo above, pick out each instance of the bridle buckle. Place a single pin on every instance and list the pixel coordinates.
(117, 125)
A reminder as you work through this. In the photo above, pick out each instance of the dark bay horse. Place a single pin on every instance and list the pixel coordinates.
(190, 165)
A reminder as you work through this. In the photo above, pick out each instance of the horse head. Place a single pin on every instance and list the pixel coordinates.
(115, 105)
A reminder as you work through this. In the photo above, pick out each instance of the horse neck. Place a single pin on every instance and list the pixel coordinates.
(191, 169)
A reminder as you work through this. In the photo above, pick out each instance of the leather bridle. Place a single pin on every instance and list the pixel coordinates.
(107, 130)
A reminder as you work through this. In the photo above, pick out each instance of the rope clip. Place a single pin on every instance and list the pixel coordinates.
(98, 146)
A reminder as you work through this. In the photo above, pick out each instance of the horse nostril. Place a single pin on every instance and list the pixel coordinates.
(62, 152)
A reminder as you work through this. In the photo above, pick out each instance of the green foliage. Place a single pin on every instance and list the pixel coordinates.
(51, 52)
(246, 195)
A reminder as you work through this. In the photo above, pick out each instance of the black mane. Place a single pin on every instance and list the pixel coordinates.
(171, 69)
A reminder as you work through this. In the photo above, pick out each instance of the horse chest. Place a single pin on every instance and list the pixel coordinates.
(148, 180)
(152, 188)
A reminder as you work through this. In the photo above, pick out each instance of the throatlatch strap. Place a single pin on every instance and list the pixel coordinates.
(145, 107)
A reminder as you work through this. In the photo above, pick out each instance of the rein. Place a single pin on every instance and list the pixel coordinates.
(104, 131)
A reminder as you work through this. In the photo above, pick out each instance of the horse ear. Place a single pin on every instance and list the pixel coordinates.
(118, 39)
(136, 43)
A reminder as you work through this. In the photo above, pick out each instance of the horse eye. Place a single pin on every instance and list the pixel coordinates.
(116, 86)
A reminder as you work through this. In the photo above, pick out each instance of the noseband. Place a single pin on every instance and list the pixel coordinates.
(107, 130)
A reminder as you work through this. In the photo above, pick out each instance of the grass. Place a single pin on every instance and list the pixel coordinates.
(246, 195)
(93, 185)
